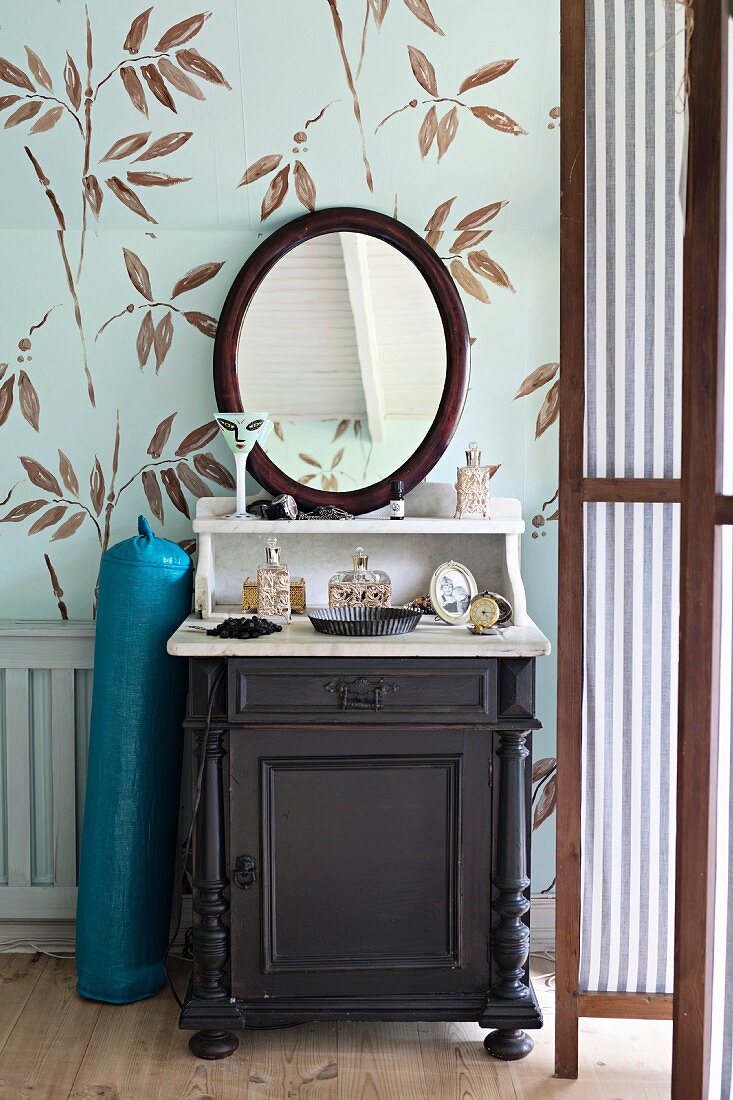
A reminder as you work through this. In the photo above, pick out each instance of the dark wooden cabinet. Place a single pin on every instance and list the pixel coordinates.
(371, 860)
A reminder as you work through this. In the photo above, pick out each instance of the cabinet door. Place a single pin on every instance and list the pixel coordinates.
(372, 852)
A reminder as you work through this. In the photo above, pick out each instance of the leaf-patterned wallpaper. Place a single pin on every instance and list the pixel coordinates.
(147, 150)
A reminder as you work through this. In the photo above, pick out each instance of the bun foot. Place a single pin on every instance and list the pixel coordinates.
(213, 1044)
(508, 1045)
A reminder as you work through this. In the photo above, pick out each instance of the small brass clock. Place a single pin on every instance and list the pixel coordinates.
(483, 613)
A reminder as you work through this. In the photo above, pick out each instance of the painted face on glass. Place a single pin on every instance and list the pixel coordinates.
(242, 430)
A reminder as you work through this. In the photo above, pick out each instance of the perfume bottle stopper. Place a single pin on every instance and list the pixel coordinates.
(473, 455)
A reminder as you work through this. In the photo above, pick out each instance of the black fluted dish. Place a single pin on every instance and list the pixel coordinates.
(364, 622)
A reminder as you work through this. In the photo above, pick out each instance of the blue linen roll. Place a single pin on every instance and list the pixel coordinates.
(135, 749)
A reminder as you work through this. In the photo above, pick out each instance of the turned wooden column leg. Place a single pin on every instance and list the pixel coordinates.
(210, 933)
(510, 937)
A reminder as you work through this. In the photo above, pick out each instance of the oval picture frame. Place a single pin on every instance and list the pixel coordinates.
(454, 611)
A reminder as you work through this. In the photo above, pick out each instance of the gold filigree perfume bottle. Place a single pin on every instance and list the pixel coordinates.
(472, 485)
(273, 583)
(360, 586)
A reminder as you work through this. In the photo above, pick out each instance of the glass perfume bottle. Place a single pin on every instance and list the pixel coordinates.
(360, 586)
(273, 583)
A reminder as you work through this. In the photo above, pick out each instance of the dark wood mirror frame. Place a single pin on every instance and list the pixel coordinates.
(455, 327)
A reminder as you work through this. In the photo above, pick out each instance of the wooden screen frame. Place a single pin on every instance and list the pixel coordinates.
(574, 491)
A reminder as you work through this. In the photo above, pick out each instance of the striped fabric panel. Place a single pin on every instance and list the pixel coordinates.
(721, 1054)
(629, 748)
(634, 140)
(634, 144)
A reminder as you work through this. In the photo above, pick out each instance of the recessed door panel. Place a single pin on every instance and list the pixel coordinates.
(363, 881)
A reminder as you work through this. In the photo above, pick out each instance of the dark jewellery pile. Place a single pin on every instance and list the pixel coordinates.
(242, 628)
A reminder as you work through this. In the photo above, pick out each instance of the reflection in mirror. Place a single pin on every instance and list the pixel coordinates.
(344, 346)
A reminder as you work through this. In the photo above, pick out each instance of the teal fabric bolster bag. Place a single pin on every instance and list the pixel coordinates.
(128, 848)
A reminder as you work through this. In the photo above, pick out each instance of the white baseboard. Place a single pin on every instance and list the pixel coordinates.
(58, 935)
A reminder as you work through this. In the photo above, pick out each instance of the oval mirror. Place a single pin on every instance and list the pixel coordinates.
(346, 328)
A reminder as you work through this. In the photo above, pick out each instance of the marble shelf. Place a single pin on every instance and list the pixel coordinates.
(299, 639)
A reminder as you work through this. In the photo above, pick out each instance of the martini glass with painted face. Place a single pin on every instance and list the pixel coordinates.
(242, 431)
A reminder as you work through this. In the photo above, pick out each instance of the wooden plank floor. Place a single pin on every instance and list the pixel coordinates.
(55, 1046)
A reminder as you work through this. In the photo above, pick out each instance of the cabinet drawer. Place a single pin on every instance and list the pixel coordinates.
(372, 690)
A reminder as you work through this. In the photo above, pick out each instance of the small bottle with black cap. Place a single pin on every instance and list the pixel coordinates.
(397, 500)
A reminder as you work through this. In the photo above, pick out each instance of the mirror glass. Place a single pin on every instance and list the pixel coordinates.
(343, 345)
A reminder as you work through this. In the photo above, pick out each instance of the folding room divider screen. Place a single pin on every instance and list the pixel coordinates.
(620, 394)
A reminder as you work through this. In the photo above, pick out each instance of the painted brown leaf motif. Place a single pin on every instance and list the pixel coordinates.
(69, 527)
(482, 264)
(39, 70)
(423, 70)
(422, 11)
(47, 121)
(6, 399)
(204, 322)
(538, 377)
(337, 458)
(155, 82)
(468, 281)
(469, 239)
(28, 399)
(11, 74)
(26, 110)
(275, 193)
(434, 227)
(278, 430)
(549, 411)
(546, 804)
(487, 73)
(428, 130)
(447, 130)
(134, 88)
(41, 477)
(340, 429)
(161, 435)
(478, 218)
(93, 194)
(209, 468)
(173, 488)
(497, 120)
(126, 146)
(162, 339)
(96, 486)
(178, 79)
(260, 168)
(305, 188)
(72, 80)
(154, 179)
(192, 481)
(542, 768)
(188, 545)
(137, 31)
(165, 145)
(128, 198)
(8, 101)
(182, 32)
(197, 276)
(306, 479)
(378, 9)
(151, 488)
(198, 438)
(138, 272)
(193, 62)
(56, 587)
(53, 515)
(22, 511)
(144, 340)
(310, 461)
(68, 475)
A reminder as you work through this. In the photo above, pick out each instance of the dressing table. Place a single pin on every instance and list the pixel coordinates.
(362, 840)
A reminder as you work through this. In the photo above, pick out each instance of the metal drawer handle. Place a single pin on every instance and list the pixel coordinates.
(245, 872)
(360, 693)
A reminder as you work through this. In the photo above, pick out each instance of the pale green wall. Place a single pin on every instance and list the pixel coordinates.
(283, 62)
